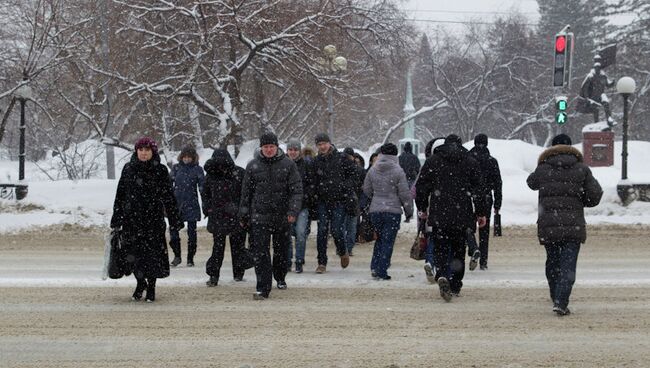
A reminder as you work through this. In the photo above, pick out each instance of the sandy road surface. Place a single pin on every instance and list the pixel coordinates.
(340, 319)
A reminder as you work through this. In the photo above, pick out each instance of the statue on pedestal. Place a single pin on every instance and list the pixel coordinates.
(592, 90)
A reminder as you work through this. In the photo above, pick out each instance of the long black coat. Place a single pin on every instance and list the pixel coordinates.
(492, 182)
(222, 192)
(335, 177)
(144, 195)
(450, 189)
(565, 186)
(186, 178)
(271, 191)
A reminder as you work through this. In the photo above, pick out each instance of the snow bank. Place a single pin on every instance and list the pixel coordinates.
(90, 202)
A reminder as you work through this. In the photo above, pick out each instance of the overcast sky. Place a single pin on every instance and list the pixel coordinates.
(431, 13)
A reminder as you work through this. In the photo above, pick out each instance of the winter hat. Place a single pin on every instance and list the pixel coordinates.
(146, 142)
(322, 137)
(294, 143)
(453, 138)
(388, 149)
(188, 152)
(481, 140)
(561, 139)
(349, 151)
(268, 138)
(408, 147)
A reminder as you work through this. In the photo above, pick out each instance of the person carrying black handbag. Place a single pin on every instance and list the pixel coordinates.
(144, 196)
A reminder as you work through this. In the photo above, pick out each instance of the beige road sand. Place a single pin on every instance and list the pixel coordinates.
(328, 327)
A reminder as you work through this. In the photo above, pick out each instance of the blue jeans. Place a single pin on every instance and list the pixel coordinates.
(331, 217)
(350, 231)
(561, 261)
(386, 224)
(300, 229)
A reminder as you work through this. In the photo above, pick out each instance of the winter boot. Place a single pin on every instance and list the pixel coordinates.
(176, 261)
(445, 290)
(298, 268)
(151, 291)
(137, 294)
(214, 281)
(473, 262)
(282, 285)
(428, 270)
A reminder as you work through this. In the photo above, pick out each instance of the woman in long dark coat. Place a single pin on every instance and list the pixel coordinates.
(144, 195)
(220, 198)
(187, 176)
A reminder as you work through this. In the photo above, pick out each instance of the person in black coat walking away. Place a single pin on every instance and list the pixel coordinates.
(144, 195)
(449, 194)
(220, 199)
(410, 163)
(566, 186)
(334, 179)
(491, 185)
(270, 201)
(187, 176)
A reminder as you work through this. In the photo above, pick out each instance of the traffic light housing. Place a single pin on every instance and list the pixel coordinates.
(561, 107)
(562, 60)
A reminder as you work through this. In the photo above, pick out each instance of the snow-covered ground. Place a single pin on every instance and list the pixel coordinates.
(89, 202)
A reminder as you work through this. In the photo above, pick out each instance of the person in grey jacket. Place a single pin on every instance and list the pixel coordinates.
(565, 186)
(388, 189)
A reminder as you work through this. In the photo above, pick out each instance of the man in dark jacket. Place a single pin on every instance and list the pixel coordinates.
(353, 211)
(220, 200)
(334, 178)
(410, 163)
(449, 195)
(301, 228)
(270, 201)
(565, 186)
(491, 184)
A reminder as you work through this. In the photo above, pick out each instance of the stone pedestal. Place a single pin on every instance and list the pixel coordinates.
(598, 148)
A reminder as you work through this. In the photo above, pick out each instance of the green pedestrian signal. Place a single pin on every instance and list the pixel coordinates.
(561, 105)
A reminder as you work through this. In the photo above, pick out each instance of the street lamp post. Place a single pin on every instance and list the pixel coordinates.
(626, 191)
(334, 64)
(625, 86)
(22, 93)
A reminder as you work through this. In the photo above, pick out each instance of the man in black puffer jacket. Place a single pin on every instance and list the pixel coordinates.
(565, 186)
(270, 201)
(450, 196)
(334, 179)
(491, 184)
(220, 201)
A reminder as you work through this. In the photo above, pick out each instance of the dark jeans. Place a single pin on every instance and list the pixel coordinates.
(238, 252)
(260, 241)
(331, 217)
(386, 224)
(175, 241)
(561, 260)
(484, 240)
(450, 256)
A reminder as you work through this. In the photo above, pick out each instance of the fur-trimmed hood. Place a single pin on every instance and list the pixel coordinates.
(551, 154)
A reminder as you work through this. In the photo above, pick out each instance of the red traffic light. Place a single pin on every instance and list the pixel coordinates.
(560, 43)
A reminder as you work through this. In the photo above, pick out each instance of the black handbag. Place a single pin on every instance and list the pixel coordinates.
(497, 224)
(118, 266)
